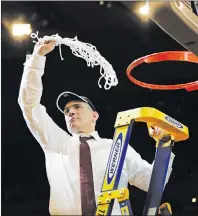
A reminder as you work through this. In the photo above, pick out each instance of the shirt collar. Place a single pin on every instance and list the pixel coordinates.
(94, 134)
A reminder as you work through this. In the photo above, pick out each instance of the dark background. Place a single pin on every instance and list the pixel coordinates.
(121, 37)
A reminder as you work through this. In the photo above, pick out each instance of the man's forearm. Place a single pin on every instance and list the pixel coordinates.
(31, 84)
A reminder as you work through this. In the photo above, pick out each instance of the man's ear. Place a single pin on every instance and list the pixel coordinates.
(95, 115)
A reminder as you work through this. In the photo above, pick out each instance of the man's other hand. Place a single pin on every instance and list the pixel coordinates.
(156, 132)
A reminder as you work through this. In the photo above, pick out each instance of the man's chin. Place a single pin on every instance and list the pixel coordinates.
(73, 129)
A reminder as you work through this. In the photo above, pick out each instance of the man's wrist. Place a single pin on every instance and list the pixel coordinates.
(37, 54)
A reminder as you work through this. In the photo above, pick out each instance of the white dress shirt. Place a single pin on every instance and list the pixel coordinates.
(62, 150)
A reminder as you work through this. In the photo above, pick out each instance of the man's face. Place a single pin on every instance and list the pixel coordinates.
(79, 117)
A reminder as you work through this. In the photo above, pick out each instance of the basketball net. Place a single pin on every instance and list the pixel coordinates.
(86, 51)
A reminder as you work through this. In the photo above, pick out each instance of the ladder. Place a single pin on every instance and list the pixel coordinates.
(176, 132)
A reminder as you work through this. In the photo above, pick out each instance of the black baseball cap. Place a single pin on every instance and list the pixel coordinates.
(67, 96)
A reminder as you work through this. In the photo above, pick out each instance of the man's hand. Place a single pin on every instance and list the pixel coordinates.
(156, 132)
(44, 48)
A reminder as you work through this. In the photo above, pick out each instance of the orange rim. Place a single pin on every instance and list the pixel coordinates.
(164, 56)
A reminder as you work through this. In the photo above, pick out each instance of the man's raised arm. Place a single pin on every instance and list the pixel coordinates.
(46, 132)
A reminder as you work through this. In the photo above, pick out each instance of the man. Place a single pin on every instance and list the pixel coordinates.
(74, 190)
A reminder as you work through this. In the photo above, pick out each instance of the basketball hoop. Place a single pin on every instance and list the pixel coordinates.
(164, 56)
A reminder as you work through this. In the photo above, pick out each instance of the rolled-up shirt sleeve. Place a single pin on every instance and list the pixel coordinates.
(139, 170)
(42, 127)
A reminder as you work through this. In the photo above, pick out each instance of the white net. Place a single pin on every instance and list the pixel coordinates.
(89, 53)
